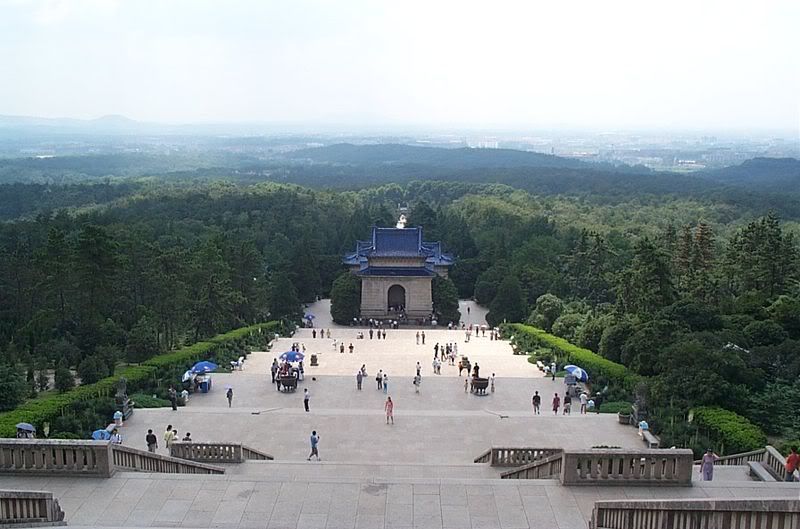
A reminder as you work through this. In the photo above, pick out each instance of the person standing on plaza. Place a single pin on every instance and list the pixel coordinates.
(419, 369)
(329, 333)
(567, 404)
(169, 436)
(466, 385)
(379, 379)
(351, 347)
(314, 445)
(389, 409)
(417, 382)
(341, 348)
(417, 337)
(584, 401)
(274, 369)
(359, 379)
(537, 403)
(151, 440)
(556, 404)
(385, 383)
(370, 333)
(229, 396)
(384, 334)
(792, 463)
(423, 337)
(306, 398)
(707, 465)
(491, 381)
(173, 398)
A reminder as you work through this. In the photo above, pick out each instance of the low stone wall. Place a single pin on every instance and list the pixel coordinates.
(67, 457)
(628, 467)
(126, 458)
(216, 452)
(22, 508)
(515, 457)
(545, 468)
(692, 514)
(56, 457)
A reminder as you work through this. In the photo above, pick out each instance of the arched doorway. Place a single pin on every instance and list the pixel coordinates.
(397, 298)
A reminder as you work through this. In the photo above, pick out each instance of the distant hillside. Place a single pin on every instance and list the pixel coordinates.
(463, 158)
(764, 174)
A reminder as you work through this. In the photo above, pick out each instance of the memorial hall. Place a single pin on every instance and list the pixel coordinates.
(397, 267)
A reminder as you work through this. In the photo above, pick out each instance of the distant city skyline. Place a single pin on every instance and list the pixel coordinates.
(574, 65)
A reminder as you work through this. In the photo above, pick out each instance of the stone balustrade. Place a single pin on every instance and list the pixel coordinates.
(22, 508)
(775, 463)
(515, 457)
(692, 514)
(67, 457)
(126, 458)
(216, 452)
(55, 457)
(739, 459)
(545, 468)
(627, 467)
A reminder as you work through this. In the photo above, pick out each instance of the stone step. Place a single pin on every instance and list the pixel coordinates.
(725, 473)
(309, 470)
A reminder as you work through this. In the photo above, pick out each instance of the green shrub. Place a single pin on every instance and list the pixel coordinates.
(164, 368)
(528, 338)
(615, 407)
(149, 401)
(729, 432)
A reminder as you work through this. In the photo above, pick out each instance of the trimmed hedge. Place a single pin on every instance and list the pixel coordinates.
(221, 348)
(527, 338)
(730, 432)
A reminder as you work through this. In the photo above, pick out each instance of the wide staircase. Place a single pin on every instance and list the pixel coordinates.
(253, 485)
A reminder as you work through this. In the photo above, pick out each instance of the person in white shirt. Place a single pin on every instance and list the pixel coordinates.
(584, 402)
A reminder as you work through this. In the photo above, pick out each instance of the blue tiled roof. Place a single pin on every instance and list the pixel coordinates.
(396, 271)
(398, 242)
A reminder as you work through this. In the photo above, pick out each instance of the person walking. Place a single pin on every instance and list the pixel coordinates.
(314, 445)
(351, 347)
(584, 402)
(389, 409)
(385, 383)
(792, 463)
(537, 403)
(556, 404)
(274, 369)
(419, 369)
(370, 333)
(707, 465)
(151, 440)
(423, 337)
(173, 397)
(491, 381)
(229, 396)
(306, 398)
(417, 382)
(379, 379)
(341, 348)
(567, 404)
(359, 379)
(466, 384)
(417, 337)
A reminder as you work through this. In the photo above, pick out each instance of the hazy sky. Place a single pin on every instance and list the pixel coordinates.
(530, 64)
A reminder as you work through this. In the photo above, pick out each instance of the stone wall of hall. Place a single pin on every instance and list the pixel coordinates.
(375, 296)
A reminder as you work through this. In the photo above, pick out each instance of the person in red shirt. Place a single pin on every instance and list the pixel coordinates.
(792, 463)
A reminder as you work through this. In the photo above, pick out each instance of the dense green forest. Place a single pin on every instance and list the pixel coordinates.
(692, 283)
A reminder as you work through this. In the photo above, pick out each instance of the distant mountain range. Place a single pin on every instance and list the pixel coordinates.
(764, 174)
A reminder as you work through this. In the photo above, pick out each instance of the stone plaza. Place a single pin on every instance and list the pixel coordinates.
(417, 473)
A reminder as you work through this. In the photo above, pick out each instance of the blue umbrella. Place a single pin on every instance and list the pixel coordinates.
(26, 427)
(101, 435)
(577, 372)
(292, 356)
(204, 367)
(309, 316)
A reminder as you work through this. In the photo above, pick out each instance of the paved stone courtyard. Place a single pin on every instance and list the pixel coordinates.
(440, 425)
